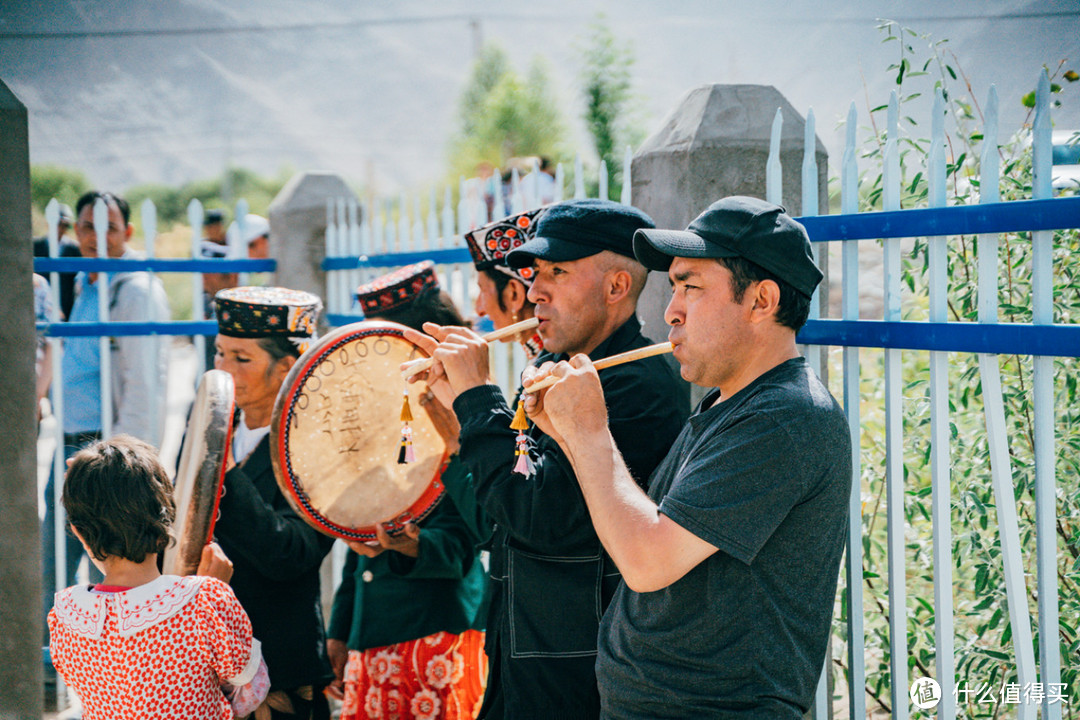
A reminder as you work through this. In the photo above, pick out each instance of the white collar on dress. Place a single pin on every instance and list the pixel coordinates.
(246, 439)
(84, 610)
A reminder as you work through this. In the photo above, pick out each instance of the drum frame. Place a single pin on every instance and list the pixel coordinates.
(281, 427)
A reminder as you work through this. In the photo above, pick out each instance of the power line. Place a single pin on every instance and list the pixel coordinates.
(471, 19)
(293, 27)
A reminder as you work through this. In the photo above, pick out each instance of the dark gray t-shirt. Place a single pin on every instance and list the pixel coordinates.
(765, 476)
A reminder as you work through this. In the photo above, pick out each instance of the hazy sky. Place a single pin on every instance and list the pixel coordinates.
(156, 91)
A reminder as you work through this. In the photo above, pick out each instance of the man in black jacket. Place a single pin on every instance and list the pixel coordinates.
(551, 579)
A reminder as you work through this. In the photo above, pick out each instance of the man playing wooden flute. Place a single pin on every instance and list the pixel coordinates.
(551, 579)
(730, 558)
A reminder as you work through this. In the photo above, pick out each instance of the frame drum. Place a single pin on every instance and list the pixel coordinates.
(335, 434)
(201, 472)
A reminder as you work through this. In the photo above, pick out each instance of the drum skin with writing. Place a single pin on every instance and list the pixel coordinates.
(336, 433)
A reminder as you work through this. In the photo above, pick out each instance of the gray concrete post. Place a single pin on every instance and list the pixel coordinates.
(714, 144)
(298, 243)
(298, 229)
(20, 545)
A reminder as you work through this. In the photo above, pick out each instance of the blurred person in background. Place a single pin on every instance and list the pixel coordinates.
(139, 363)
(214, 227)
(67, 248)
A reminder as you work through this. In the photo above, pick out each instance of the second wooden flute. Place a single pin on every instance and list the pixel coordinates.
(628, 356)
(418, 366)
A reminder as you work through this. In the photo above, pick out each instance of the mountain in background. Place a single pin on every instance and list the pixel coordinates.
(166, 92)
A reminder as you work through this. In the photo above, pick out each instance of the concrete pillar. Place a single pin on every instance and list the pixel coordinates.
(298, 243)
(20, 544)
(298, 229)
(715, 144)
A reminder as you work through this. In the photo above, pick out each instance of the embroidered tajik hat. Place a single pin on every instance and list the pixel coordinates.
(255, 312)
(396, 289)
(580, 228)
(490, 244)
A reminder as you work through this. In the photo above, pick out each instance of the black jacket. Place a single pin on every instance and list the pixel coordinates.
(551, 579)
(276, 558)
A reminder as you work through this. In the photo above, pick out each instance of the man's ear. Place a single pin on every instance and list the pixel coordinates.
(515, 296)
(129, 231)
(285, 364)
(618, 286)
(766, 294)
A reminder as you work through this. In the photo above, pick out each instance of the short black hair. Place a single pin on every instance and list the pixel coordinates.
(117, 495)
(431, 305)
(793, 308)
(91, 197)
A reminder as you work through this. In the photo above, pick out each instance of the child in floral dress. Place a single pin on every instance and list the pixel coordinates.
(141, 644)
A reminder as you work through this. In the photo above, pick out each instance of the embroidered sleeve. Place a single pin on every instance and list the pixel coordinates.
(235, 654)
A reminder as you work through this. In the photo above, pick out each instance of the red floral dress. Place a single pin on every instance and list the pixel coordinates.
(160, 650)
(438, 676)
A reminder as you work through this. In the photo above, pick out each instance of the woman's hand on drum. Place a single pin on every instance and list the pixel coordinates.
(215, 563)
(406, 543)
(443, 418)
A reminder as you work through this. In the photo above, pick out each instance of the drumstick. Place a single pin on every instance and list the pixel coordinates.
(417, 366)
(628, 356)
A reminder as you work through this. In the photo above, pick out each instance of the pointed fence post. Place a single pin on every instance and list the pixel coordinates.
(625, 192)
(849, 204)
(101, 228)
(894, 422)
(149, 222)
(198, 307)
(940, 452)
(579, 178)
(1042, 284)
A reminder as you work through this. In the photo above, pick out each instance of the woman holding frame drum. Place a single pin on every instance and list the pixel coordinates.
(405, 633)
(276, 555)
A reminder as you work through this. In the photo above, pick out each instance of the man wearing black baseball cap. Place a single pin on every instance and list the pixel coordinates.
(730, 559)
(550, 577)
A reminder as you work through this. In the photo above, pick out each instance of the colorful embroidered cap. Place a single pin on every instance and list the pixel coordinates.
(577, 229)
(490, 244)
(253, 312)
(396, 289)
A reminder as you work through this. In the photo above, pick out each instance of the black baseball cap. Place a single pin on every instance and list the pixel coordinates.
(737, 226)
(576, 229)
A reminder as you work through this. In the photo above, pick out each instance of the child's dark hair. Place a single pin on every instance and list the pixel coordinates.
(117, 495)
(431, 305)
